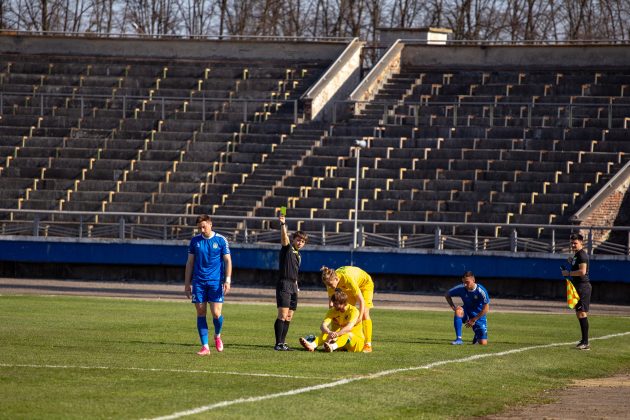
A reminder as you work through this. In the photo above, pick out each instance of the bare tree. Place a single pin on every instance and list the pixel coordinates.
(435, 13)
(299, 17)
(353, 17)
(405, 13)
(326, 18)
(374, 12)
(28, 15)
(196, 16)
(513, 20)
(575, 13)
(101, 19)
(222, 16)
(152, 17)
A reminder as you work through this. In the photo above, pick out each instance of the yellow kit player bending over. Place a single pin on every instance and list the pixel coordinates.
(341, 328)
(359, 287)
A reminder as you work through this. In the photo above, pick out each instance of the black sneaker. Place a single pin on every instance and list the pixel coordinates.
(278, 347)
(285, 347)
(583, 346)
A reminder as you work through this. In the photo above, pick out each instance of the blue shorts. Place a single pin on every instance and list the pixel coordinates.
(480, 328)
(203, 291)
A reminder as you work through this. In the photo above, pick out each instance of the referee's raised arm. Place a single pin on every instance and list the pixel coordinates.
(284, 235)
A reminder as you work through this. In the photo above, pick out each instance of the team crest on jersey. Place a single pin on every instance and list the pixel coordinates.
(215, 245)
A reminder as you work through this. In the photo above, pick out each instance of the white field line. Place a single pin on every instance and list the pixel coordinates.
(296, 391)
(269, 375)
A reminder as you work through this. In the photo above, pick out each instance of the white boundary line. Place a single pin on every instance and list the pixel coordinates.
(269, 375)
(365, 377)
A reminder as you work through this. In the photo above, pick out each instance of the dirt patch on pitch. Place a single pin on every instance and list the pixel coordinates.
(602, 398)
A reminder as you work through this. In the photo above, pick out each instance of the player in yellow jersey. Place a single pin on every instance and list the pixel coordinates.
(359, 287)
(341, 328)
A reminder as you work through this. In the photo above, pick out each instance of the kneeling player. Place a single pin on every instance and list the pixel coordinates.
(476, 305)
(359, 287)
(341, 328)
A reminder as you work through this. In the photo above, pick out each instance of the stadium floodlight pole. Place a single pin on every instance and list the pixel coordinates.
(359, 144)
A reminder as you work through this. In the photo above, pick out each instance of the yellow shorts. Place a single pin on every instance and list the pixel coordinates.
(368, 294)
(355, 343)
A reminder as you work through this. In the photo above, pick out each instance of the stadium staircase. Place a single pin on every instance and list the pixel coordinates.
(508, 146)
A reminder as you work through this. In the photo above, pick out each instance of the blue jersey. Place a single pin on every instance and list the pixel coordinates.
(208, 254)
(473, 301)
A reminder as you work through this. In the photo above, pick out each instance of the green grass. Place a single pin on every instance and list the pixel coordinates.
(71, 357)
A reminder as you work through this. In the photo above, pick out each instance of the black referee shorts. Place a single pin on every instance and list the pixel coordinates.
(287, 294)
(584, 289)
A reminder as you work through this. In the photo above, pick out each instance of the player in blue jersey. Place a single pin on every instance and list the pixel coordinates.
(209, 267)
(473, 314)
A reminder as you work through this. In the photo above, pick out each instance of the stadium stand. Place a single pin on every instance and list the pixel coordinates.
(454, 143)
(88, 134)
(509, 146)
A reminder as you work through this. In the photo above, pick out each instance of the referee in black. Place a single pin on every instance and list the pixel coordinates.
(579, 275)
(287, 284)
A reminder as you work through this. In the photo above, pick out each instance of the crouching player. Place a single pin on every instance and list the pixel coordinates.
(476, 305)
(359, 287)
(341, 328)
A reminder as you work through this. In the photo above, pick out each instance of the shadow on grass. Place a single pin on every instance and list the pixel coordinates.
(196, 345)
(420, 341)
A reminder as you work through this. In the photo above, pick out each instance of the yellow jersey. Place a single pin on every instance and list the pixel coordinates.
(354, 281)
(336, 318)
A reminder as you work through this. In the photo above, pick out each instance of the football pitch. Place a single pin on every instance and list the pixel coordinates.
(79, 357)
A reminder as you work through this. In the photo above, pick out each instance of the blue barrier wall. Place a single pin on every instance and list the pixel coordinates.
(265, 257)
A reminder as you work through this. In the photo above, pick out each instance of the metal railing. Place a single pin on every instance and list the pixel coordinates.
(529, 42)
(567, 112)
(496, 114)
(130, 106)
(440, 236)
(197, 37)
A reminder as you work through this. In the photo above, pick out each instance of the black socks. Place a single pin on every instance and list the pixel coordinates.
(584, 328)
(278, 328)
(281, 328)
(285, 330)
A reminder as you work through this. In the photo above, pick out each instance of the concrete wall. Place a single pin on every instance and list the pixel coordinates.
(531, 275)
(172, 48)
(496, 56)
(604, 214)
(603, 208)
(387, 36)
(419, 262)
(341, 78)
(389, 64)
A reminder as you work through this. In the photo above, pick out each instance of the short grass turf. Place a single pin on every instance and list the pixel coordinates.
(74, 357)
